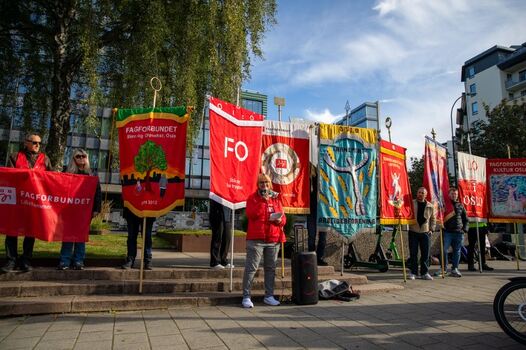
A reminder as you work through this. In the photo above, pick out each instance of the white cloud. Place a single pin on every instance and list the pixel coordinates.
(323, 117)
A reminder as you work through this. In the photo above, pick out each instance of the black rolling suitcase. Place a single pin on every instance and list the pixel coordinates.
(304, 271)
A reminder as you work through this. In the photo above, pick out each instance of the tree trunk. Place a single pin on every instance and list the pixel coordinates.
(65, 66)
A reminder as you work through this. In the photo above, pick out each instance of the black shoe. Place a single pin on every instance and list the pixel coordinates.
(322, 263)
(487, 268)
(128, 264)
(25, 266)
(78, 267)
(472, 268)
(148, 265)
(62, 267)
(10, 266)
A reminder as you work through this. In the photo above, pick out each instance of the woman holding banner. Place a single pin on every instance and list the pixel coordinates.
(79, 164)
(264, 235)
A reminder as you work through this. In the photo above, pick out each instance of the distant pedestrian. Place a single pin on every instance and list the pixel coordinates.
(312, 225)
(419, 235)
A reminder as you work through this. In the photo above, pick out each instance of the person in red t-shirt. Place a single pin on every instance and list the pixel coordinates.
(29, 158)
(264, 235)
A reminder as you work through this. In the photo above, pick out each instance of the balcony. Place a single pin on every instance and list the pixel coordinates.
(514, 85)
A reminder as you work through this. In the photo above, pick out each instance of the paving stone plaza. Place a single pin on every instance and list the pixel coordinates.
(450, 313)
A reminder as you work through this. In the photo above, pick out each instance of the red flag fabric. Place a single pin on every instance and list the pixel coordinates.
(152, 149)
(46, 205)
(285, 159)
(436, 180)
(395, 191)
(472, 186)
(507, 190)
(235, 152)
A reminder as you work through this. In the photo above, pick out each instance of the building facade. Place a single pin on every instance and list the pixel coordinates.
(363, 116)
(494, 75)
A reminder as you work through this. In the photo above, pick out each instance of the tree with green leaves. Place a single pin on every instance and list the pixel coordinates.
(416, 173)
(104, 52)
(150, 157)
(505, 127)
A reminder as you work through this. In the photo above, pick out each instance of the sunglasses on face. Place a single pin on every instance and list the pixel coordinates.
(35, 143)
(80, 156)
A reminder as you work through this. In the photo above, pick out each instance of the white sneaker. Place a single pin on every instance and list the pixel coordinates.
(247, 303)
(427, 277)
(455, 273)
(411, 276)
(271, 301)
(218, 267)
(229, 266)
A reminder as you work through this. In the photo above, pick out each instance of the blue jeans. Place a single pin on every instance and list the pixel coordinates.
(77, 248)
(455, 240)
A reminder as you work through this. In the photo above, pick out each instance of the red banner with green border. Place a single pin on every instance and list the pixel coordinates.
(152, 149)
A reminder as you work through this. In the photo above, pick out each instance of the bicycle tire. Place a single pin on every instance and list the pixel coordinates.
(512, 320)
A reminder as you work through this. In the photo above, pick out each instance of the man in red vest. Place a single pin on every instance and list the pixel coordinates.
(29, 158)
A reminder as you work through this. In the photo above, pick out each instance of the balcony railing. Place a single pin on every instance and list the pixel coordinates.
(516, 84)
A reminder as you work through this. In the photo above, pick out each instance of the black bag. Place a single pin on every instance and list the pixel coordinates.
(338, 290)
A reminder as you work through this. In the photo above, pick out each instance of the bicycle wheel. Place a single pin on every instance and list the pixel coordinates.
(509, 308)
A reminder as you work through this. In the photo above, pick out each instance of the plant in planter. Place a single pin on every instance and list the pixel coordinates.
(98, 225)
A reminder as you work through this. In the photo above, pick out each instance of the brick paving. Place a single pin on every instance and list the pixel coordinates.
(448, 313)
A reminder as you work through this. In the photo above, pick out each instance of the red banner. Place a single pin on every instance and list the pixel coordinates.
(46, 205)
(472, 186)
(395, 191)
(235, 150)
(507, 190)
(152, 149)
(285, 159)
(436, 180)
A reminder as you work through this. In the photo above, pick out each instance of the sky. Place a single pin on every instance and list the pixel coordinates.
(406, 54)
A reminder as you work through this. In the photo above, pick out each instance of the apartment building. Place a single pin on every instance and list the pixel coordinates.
(494, 75)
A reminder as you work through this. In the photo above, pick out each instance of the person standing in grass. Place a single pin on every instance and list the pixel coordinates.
(72, 254)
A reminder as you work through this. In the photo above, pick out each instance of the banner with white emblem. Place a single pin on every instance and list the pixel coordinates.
(285, 158)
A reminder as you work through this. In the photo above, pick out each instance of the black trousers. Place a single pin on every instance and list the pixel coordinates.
(221, 238)
(134, 228)
(472, 240)
(11, 248)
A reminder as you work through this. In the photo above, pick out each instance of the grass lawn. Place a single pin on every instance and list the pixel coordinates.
(110, 245)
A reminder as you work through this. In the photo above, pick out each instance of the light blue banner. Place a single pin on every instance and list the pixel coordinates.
(347, 199)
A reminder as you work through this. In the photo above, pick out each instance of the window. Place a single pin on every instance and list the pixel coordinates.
(471, 72)
(522, 75)
(474, 108)
(511, 96)
(508, 76)
(523, 93)
(473, 88)
(252, 105)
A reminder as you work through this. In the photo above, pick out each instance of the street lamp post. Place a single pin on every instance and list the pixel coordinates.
(388, 124)
(280, 102)
(453, 136)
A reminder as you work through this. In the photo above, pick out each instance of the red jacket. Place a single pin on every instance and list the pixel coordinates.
(258, 212)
